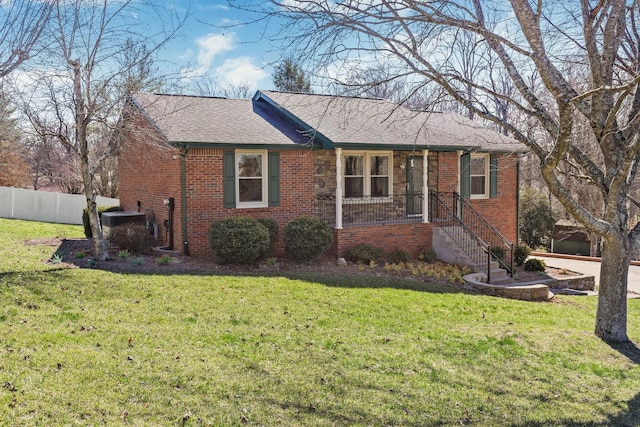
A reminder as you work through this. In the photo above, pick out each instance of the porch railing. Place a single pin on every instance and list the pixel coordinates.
(395, 209)
(471, 231)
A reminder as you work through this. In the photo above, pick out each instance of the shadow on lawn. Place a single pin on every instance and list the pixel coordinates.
(628, 349)
(629, 418)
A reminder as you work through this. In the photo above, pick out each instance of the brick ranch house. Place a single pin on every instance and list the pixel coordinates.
(377, 172)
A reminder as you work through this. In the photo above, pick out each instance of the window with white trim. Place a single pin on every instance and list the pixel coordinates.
(479, 176)
(367, 174)
(251, 178)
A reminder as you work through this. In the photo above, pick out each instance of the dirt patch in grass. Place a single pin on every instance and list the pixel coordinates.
(44, 241)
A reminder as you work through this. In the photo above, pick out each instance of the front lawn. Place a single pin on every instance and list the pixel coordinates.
(82, 346)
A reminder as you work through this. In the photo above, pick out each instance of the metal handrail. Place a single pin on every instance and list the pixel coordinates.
(500, 247)
(473, 233)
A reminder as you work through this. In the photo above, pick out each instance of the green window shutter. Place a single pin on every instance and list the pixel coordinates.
(465, 175)
(493, 177)
(274, 179)
(229, 172)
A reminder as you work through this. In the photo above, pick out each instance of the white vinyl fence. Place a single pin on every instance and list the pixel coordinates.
(44, 206)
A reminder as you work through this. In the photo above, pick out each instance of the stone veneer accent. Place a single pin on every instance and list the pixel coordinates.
(533, 291)
(525, 292)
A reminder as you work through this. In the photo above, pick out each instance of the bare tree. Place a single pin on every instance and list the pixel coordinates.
(529, 39)
(376, 81)
(98, 52)
(14, 170)
(208, 86)
(21, 25)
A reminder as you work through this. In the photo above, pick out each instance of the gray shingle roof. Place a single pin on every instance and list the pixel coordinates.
(345, 121)
(349, 120)
(196, 119)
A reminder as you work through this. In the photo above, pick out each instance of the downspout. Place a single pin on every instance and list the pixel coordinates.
(338, 188)
(425, 186)
(458, 208)
(183, 189)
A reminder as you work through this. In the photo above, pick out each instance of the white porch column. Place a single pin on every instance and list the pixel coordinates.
(425, 185)
(338, 188)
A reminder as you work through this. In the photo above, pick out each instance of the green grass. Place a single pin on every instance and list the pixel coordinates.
(90, 347)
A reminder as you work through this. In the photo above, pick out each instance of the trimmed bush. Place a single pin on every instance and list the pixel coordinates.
(272, 227)
(363, 253)
(85, 218)
(521, 253)
(132, 237)
(238, 240)
(398, 256)
(306, 238)
(429, 256)
(535, 264)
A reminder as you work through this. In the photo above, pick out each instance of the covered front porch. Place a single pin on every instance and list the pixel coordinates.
(364, 188)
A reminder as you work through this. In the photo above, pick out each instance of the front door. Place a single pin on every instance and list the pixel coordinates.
(414, 186)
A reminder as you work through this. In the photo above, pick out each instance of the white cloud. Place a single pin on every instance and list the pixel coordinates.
(209, 47)
(239, 71)
(212, 45)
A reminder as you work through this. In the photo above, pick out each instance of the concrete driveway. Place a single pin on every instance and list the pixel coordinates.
(592, 268)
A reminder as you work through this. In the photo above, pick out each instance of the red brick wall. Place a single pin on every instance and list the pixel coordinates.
(502, 211)
(413, 237)
(205, 203)
(149, 172)
(448, 171)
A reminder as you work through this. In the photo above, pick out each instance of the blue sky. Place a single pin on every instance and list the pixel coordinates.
(210, 45)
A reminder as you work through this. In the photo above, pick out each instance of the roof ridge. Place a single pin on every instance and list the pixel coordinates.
(180, 95)
(327, 95)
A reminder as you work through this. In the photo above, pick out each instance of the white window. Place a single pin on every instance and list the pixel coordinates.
(251, 179)
(367, 175)
(479, 174)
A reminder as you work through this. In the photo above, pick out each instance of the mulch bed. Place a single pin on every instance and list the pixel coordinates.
(70, 249)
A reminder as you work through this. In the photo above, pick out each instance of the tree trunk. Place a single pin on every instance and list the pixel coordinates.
(100, 247)
(611, 317)
(100, 244)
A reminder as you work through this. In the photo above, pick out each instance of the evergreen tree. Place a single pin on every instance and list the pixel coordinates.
(289, 77)
(536, 218)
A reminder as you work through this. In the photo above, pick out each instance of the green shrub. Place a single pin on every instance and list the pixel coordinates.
(132, 237)
(272, 227)
(521, 253)
(535, 264)
(398, 256)
(497, 252)
(163, 260)
(85, 218)
(536, 218)
(238, 240)
(306, 238)
(363, 253)
(429, 256)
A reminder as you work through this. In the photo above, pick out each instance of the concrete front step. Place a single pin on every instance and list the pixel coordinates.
(449, 251)
(500, 278)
